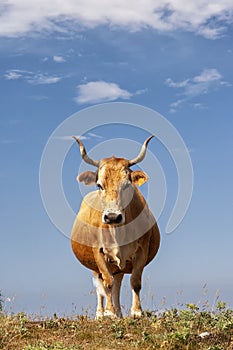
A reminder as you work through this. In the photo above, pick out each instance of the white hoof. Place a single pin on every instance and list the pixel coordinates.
(99, 315)
(108, 313)
(136, 313)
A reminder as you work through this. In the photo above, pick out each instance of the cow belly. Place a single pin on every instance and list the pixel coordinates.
(86, 257)
(154, 243)
(119, 258)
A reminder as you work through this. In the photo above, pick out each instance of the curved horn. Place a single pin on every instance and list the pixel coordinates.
(84, 153)
(142, 153)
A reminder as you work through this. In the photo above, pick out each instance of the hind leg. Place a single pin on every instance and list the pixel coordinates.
(136, 309)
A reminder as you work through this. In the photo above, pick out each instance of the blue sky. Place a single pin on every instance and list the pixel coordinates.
(57, 59)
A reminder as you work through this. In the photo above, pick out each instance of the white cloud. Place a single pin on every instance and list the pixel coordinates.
(70, 137)
(211, 33)
(100, 91)
(43, 79)
(95, 136)
(169, 82)
(198, 105)
(12, 75)
(90, 135)
(141, 91)
(176, 103)
(208, 75)
(209, 19)
(208, 80)
(59, 59)
(31, 78)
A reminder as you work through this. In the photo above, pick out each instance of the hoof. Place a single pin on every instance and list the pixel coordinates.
(136, 313)
(110, 314)
(99, 315)
(119, 314)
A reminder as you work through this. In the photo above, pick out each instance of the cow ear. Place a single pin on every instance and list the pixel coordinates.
(138, 177)
(88, 177)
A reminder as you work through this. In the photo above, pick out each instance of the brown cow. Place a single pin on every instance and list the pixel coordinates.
(115, 232)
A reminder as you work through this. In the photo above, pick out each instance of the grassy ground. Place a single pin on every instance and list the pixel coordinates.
(189, 328)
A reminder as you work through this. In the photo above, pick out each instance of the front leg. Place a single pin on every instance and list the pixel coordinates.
(108, 280)
(100, 292)
(103, 267)
(116, 293)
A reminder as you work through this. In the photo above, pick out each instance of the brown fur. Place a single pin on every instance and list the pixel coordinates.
(100, 246)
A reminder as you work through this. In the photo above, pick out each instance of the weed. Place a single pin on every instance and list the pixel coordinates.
(186, 329)
(118, 329)
(43, 346)
(147, 337)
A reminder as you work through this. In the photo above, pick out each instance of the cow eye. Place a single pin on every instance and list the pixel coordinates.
(99, 186)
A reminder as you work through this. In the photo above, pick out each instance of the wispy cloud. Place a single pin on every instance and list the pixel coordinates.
(13, 75)
(43, 79)
(208, 75)
(59, 59)
(95, 136)
(100, 91)
(70, 137)
(89, 135)
(169, 82)
(208, 80)
(31, 77)
(201, 17)
(198, 105)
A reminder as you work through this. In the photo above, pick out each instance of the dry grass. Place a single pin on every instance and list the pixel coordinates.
(174, 329)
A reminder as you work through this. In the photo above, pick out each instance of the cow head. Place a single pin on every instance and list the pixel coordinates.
(115, 180)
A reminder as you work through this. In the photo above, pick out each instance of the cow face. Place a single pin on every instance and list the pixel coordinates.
(116, 183)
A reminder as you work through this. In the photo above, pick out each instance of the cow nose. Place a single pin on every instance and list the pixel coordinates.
(113, 218)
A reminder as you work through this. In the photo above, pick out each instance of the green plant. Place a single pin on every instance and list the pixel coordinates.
(147, 337)
(43, 346)
(22, 318)
(174, 329)
(118, 329)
